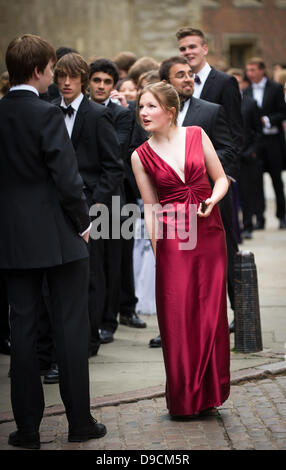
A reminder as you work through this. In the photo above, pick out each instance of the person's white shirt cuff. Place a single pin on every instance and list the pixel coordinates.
(87, 230)
(267, 122)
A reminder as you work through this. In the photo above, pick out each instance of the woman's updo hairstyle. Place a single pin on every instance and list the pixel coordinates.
(165, 94)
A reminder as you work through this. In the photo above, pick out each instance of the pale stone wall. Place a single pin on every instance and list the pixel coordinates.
(146, 27)
(99, 27)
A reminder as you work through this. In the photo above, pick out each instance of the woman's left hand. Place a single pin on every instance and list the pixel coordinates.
(209, 207)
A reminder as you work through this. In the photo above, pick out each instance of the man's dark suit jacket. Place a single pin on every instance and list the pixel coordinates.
(222, 88)
(98, 152)
(42, 204)
(211, 117)
(252, 127)
(273, 106)
(123, 121)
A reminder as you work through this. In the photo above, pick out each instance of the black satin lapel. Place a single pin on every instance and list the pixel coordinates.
(191, 113)
(265, 94)
(79, 120)
(208, 84)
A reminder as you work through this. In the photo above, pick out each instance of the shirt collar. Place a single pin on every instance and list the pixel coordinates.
(74, 104)
(25, 87)
(203, 73)
(260, 84)
(106, 102)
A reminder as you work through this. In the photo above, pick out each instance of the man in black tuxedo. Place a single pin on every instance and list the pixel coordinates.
(251, 165)
(44, 208)
(196, 112)
(120, 296)
(210, 84)
(269, 96)
(98, 153)
(217, 87)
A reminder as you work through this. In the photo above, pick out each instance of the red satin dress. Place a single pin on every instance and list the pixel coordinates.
(190, 286)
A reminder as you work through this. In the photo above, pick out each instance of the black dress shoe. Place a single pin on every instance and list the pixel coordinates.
(155, 342)
(45, 367)
(106, 336)
(282, 224)
(93, 349)
(133, 320)
(259, 225)
(231, 327)
(94, 431)
(246, 235)
(5, 347)
(25, 440)
(52, 377)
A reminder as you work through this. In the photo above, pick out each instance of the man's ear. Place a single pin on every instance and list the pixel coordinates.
(206, 48)
(36, 73)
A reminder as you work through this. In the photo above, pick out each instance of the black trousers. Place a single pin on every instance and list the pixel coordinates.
(250, 182)
(4, 313)
(271, 154)
(68, 295)
(226, 208)
(128, 299)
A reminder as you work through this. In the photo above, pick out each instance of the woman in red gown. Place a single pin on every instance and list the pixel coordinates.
(172, 170)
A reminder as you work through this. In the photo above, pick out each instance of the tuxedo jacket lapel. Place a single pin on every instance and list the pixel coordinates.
(208, 84)
(193, 110)
(266, 94)
(79, 120)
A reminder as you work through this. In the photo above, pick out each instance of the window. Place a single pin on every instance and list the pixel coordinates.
(237, 48)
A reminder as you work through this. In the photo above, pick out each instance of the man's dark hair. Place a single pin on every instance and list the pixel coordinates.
(164, 70)
(24, 54)
(105, 66)
(61, 51)
(186, 31)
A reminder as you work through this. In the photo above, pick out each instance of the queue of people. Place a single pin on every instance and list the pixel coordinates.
(196, 137)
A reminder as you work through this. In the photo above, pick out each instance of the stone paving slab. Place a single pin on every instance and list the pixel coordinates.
(253, 418)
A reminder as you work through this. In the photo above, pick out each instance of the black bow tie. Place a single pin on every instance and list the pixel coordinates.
(67, 111)
(182, 104)
(197, 79)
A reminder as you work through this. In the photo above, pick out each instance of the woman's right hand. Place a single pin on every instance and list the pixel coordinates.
(209, 207)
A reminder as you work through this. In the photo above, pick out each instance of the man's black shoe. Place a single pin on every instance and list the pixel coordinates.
(106, 336)
(52, 377)
(259, 225)
(94, 431)
(25, 440)
(231, 327)
(246, 235)
(155, 342)
(93, 349)
(282, 224)
(5, 347)
(133, 320)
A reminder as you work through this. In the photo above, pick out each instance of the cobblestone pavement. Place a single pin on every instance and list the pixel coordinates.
(254, 417)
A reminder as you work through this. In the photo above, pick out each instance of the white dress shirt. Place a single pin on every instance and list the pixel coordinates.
(69, 120)
(258, 90)
(203, 75)
(182, 113)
